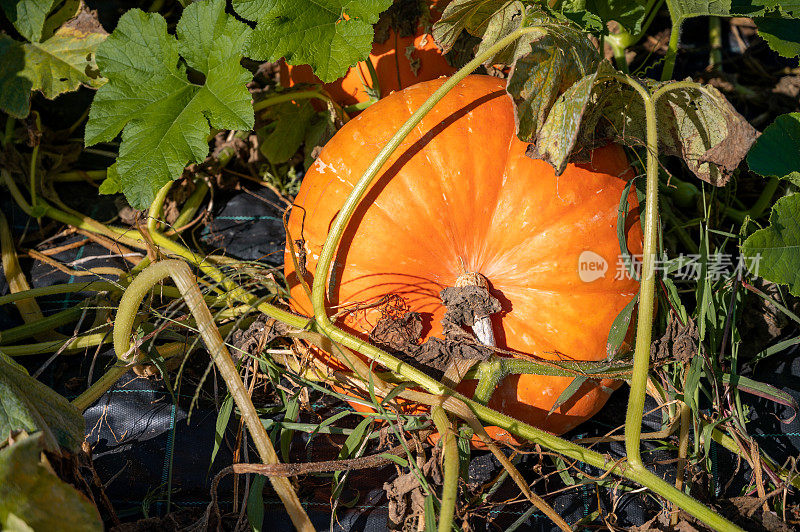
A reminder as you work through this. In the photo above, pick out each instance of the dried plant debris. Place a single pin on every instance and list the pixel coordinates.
(402, 335)
(402, 18)
(406, 495)
(679, 342)
(260, 333)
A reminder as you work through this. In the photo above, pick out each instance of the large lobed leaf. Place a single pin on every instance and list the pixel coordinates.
(62, 62)
(164, 118)
(778, 22)
(774, 252)
(32, 497)
(329, 35)
(776, 153)
(28, 16)
(595, 15)
(27, 404)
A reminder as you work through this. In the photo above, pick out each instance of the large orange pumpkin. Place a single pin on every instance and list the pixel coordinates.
(399, 61)
(460, 191)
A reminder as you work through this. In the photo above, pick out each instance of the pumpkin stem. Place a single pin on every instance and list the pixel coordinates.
(483, 326)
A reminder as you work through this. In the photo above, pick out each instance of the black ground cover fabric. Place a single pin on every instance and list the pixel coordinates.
(144, 442)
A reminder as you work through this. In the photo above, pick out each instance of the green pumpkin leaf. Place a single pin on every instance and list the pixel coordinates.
(774, 252)
(329, 35)
(775, 153)
(782, 34)
(27, 404)
(281, 139)
(33, 498)
(775, 19)
(165, 119)
(596, 14)
(62, 63)
(28, 16)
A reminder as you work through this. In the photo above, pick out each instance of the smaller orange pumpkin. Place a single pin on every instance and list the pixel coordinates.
(399, 61)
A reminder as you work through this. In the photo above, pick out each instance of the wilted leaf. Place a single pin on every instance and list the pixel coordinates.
(281, 139)
(163, 117)
(702, 128)
(32, 495)
(27, 404)
(774, 252)
(61, 63)
(556, 60)
(556, 139)
(329, 35)
(776, 153)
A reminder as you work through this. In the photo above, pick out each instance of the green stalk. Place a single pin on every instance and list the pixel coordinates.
(623, 39)
(762, 203)
(8, 133)
(290, 96)
(715, 39)
(451, 468)
(34, 159)
(15, 334)
(135, 239)
(730, 444)
(636, 472)
(79, 176)
(99, 387)
(154, 212)
(619, 57)
(179, 271)
(672, 48)
(56, 289)
(74, 346)
(191, 205)
(644, 326)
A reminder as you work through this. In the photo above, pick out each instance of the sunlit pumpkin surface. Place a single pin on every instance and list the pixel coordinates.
(460, 193)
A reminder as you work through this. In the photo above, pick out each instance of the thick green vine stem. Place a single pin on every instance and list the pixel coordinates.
(644, 325)
(635, 470)
(134, 238)
(451, 467)
(187, 284)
